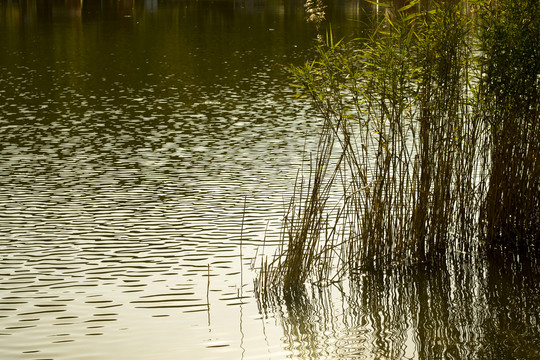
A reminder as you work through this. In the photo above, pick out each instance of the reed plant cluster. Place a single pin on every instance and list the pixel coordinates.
(510, 101)
(429, 144)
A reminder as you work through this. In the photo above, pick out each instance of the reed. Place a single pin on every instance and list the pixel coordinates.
(421, 133)
(510, 93)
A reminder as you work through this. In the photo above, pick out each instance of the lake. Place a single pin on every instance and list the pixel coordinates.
(148, 152)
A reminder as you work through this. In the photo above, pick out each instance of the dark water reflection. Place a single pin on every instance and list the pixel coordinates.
(463, 310)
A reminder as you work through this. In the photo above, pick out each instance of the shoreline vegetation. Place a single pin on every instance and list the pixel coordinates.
(428, 150)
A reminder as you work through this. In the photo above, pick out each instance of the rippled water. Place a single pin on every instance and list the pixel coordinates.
(128, 147)
(130, 138)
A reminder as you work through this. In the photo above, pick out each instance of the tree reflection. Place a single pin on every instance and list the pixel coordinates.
(463, 309)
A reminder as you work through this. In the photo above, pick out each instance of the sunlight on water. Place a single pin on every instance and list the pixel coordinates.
(131, 136)
(124, 170)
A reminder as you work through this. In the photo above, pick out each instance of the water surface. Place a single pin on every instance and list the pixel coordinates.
(131, 135)
(130, 139)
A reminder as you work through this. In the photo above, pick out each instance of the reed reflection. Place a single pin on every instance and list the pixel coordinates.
(513, 301)
(309, 324)
(463, 309)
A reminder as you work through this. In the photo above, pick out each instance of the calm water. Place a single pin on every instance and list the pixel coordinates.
(131, 133)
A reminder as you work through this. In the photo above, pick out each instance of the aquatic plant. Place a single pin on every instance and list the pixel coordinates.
(429, 143)
(510, 101)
